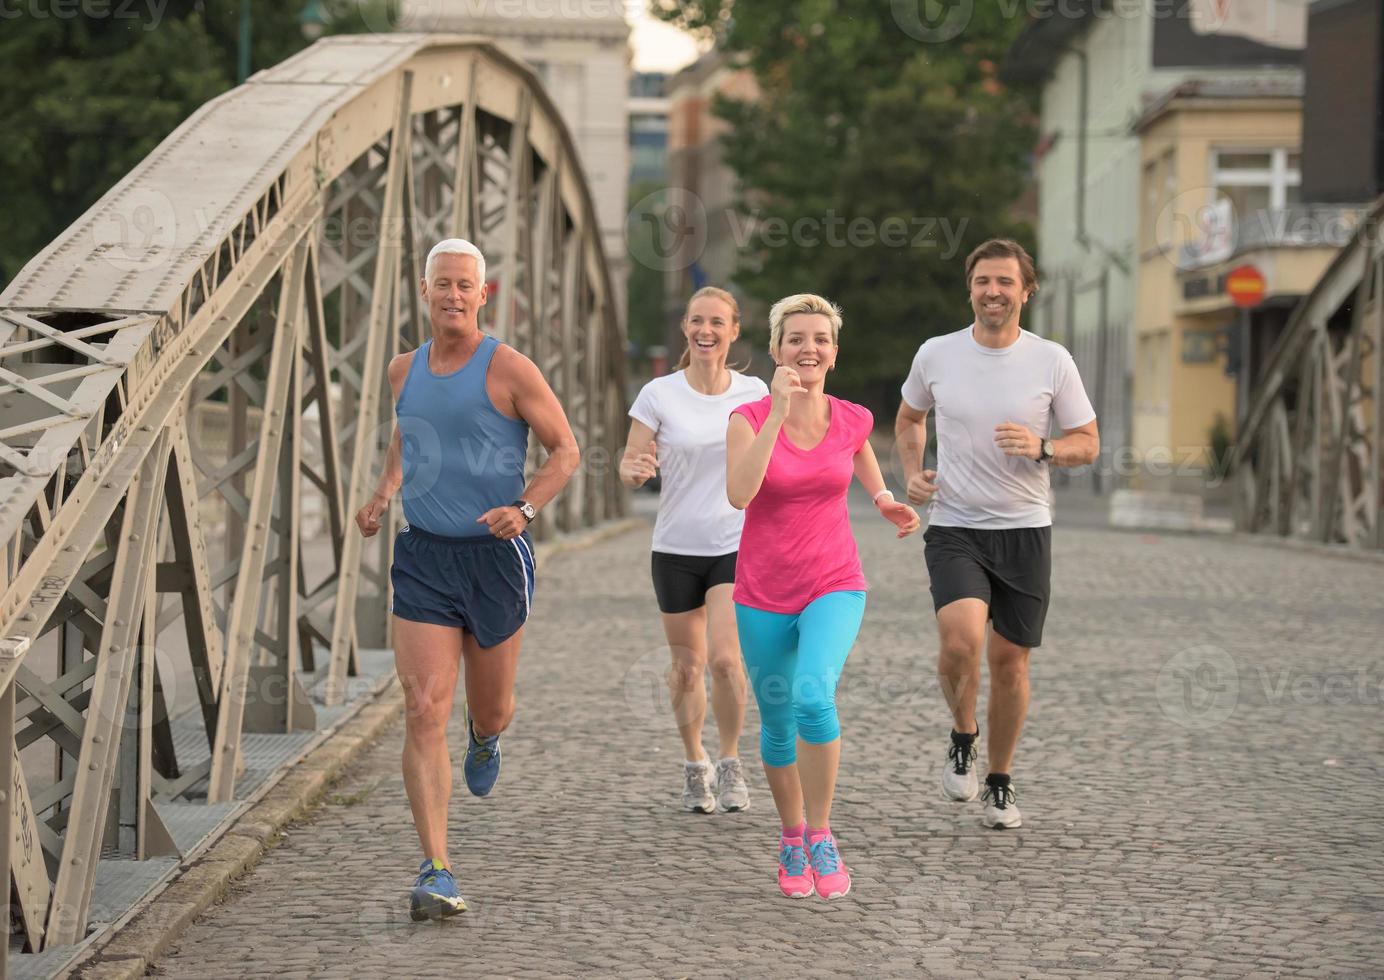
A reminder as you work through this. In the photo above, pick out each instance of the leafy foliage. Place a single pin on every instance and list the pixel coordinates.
(91, 89)
(884, 160)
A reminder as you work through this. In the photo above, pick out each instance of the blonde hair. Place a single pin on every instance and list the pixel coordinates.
(715, 292)
(801, 303)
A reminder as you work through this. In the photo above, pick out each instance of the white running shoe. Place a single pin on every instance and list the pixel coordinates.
(731, 792)
(1001, 812)
(959, 781)
(698, 779)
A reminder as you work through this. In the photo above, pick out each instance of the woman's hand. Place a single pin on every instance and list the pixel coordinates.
(902, 516)
(636, 469)
(785, 385)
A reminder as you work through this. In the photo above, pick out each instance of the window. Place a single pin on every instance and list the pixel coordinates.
(1257, 180)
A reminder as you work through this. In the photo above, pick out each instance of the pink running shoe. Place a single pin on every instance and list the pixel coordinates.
(829, 875)
(794, 876)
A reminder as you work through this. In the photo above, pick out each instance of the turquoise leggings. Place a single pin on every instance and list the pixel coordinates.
(794, 661)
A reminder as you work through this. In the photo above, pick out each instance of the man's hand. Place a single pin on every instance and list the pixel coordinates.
(506, 523)
(1018, 440)
(922, 487)
(368, 517)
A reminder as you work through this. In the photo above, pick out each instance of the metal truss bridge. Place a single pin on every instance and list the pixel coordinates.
(193, 405)
(1309, 459)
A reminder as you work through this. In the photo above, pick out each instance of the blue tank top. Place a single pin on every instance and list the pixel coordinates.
(461, 456)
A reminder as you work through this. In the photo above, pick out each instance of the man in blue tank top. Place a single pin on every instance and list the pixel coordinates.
(463, 570)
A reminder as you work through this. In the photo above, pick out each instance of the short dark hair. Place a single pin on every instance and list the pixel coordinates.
(1004, 248)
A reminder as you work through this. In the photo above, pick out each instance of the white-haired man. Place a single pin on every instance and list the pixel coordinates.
(463, 570)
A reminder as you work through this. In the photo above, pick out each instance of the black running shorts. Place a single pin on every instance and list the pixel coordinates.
(681, 581)
(1009, 568)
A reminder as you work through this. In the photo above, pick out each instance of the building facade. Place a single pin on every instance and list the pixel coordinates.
(581, 53)
(1099, 69)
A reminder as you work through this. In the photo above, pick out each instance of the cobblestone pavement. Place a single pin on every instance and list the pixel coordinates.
(1200, 779)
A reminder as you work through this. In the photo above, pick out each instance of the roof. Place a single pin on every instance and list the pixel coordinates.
(1286, 86)
(1036, 51)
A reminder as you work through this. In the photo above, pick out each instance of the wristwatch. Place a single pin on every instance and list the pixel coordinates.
(1046, 451)
(526, 509)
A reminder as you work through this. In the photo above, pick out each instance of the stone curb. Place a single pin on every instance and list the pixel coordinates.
(132, 948)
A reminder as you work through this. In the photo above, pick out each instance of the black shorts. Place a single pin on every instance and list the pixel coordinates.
(1010, 568)
(681, 581)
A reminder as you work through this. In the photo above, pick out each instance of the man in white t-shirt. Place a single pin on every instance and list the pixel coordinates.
(997, 392)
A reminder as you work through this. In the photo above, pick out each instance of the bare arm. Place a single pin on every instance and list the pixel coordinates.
(747, 451)
(536, 404)
(639, 461)
(1076, 447)
(392, 475)
(895, 512)
(747, 457)
(910, 436)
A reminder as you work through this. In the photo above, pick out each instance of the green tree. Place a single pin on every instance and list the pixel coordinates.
(87, 97)
(644, 290)
(883, 158)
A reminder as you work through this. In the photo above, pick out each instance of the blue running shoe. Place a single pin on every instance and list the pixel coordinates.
(482, 766)
(434, 894)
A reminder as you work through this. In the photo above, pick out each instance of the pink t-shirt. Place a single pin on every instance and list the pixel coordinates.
(797, 544)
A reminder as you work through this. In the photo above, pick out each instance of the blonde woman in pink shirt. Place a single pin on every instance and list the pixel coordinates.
(799, 589)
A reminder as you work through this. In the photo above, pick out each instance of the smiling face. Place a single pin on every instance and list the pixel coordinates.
(807, 346)
(710, 329)
(454, 293)
(997, 292)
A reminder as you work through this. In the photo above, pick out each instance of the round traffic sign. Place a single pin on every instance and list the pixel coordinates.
(1246, 286)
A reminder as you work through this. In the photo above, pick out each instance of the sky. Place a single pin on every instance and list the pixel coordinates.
(657, 46)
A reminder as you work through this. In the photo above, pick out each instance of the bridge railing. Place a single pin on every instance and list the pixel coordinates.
(1308, 461)
(259, 267)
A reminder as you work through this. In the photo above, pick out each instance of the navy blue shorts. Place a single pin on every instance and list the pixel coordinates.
(482, 584)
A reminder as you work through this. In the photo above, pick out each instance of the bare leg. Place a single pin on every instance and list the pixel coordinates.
(728, 685)
(787, 793)
(817, 766)
(961, 632)
(1008, 700)
(426, 658)
(490, 682)
(686, 633)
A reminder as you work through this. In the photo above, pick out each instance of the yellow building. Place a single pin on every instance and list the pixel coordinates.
(1219, 190)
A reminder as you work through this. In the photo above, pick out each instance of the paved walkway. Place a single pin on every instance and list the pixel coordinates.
(1200, 778)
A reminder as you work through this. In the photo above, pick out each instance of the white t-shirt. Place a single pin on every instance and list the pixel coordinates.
(970, 389)
(694, 515)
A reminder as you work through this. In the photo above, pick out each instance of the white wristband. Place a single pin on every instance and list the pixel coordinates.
(886, 490)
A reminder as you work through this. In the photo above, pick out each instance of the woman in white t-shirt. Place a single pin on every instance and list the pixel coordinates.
(678, 427)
